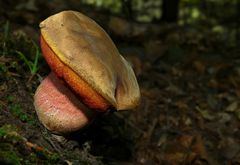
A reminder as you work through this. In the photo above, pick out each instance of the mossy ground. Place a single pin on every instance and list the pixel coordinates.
(15, 149)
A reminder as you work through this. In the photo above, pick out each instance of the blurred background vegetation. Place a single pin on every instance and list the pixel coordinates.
(188, 11)
(220, 16)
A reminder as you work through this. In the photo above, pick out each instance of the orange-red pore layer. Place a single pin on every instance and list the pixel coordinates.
(59, 110)
(88, 95)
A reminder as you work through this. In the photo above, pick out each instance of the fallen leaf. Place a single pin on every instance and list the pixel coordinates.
(229, 147)
(162, 140)
(205, 114)
(199, 66)
(186, 140)
(232, 107)
(224, 117)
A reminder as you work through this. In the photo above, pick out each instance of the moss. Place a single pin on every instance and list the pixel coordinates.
(14, 149)
(31, 159)
(8, 155)
(9, 133)
(2, 132)
(46, 156)
(17, 111)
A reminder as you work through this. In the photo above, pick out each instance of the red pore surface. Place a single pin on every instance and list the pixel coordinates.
(88, 95)
(58, 108)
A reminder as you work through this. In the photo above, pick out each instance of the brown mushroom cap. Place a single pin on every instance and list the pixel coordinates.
(86, 93)
(82, 45)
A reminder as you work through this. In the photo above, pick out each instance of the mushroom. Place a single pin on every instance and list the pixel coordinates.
(89, 75)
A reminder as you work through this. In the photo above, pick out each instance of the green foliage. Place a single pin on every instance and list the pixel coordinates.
(10, 98)
(9, 133)
(211, 11)
(33, 66)
(8, 155)
(15, 49)
(5, 38)
(114, 6)
(14, 149)
(198, 12)
(18, 112)
(2, 132)
(146, 11)
(3, 68)
(46, 155)
(8, 152)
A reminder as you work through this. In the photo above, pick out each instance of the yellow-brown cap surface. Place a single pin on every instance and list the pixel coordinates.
(82, 45)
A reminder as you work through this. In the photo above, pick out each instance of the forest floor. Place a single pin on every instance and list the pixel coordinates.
(190, 107)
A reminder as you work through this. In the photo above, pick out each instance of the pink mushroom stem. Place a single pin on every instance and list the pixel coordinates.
(58, 108)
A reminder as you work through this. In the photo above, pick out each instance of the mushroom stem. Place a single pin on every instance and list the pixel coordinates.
(59, 110)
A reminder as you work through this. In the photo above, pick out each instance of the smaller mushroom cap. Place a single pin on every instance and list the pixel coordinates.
(81, 44)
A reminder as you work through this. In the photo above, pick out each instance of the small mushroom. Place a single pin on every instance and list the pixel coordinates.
(89, 74)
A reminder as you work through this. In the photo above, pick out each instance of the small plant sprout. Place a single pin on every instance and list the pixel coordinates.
(32, 65)
(6, 38)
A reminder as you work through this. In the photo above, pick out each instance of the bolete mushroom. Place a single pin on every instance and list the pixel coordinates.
(88, 74)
